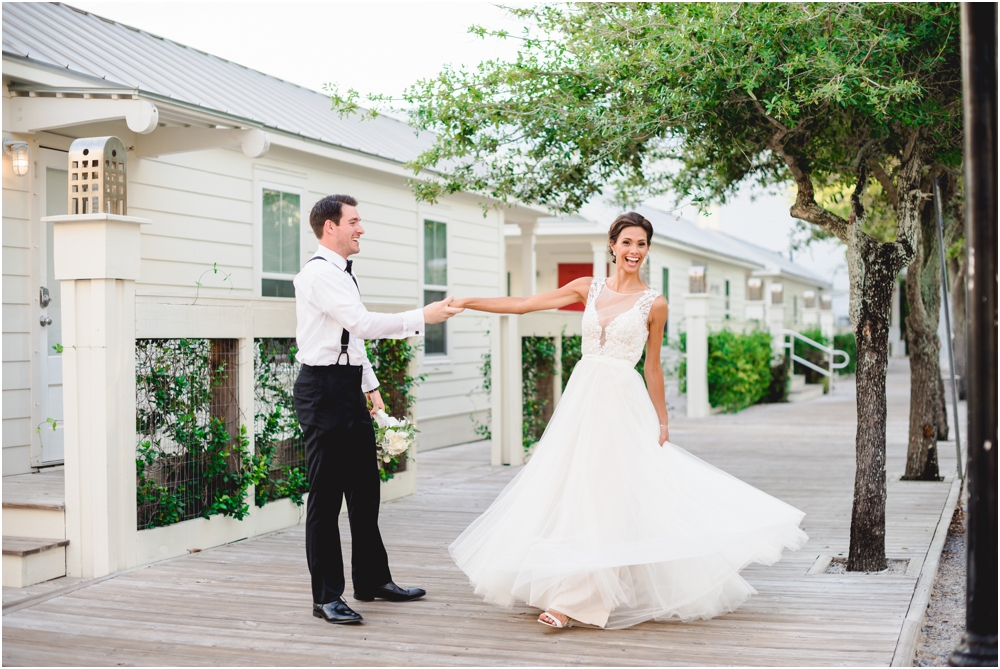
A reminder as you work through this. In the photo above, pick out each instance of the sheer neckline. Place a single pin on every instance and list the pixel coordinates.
(637, 292)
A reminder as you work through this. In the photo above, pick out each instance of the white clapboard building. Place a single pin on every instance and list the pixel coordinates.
(226, 163)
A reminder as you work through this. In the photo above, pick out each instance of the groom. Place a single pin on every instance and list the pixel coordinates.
(330, 402)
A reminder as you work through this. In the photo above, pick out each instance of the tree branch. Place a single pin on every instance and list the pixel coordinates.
(885, 181)
(805, 206)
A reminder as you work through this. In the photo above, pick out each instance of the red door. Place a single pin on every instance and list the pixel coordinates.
(571, 272)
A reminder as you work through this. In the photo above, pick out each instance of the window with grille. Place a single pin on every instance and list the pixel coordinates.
(435, 282)
(281, 219)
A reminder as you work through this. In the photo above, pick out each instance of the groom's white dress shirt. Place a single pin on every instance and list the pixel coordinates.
(326, 301)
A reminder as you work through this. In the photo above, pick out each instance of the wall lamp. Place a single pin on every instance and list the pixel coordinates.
(18, 152)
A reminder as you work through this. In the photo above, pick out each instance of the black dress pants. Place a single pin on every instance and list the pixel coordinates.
(341, 457)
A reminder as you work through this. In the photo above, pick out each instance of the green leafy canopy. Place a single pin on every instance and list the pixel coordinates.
(691, 98)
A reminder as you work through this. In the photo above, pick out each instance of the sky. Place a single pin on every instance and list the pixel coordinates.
(384, 47)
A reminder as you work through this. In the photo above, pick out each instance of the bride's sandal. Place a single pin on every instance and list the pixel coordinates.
(551, 619)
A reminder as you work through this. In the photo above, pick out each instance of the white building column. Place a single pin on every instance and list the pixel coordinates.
(507, 445)
(97, 264)
(696, 317)
(826, 321)
(776, 323)
(529, 263)
(600, 250)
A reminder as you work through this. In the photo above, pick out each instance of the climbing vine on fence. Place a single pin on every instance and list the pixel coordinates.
(538, 362)
(279, 463)
(192, 456)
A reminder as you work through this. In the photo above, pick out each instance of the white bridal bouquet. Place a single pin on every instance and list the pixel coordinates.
(393, 437)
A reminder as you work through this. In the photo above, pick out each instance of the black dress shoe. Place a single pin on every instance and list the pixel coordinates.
(337, 612)
(390, 592)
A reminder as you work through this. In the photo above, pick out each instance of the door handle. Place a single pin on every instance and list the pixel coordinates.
(44, 320)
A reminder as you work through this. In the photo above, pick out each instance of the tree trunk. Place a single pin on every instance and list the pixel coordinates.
(928, 412)
(872, 275)
(923, 294)
(872, 268)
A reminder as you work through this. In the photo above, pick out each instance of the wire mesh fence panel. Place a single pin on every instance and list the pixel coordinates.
(280, 457)
(191, 452)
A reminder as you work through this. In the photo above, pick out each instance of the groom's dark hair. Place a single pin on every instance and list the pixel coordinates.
(330, 208)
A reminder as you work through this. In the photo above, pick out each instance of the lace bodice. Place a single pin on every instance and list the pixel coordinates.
(615, 324)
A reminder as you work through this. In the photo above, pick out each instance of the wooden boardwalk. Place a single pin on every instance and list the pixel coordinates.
(248, 603)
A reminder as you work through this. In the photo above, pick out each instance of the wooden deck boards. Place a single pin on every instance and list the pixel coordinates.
(248, 603)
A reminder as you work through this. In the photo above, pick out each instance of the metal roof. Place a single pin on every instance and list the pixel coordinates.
(50, 34)
(776, 262)
(685, 232)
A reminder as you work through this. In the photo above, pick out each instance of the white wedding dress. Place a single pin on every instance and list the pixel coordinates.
(605, 525)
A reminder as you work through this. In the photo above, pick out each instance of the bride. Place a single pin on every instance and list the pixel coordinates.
(610, 524)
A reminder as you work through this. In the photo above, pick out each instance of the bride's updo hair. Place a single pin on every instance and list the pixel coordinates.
(629, 220)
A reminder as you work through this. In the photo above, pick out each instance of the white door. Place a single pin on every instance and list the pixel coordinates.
(53, 180)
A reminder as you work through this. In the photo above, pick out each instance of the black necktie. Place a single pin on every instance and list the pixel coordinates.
(348, 270)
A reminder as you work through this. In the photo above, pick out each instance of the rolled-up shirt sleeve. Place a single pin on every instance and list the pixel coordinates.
(348, 310)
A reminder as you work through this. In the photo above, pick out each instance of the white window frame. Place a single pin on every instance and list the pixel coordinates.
(445, 357)
(260, 184)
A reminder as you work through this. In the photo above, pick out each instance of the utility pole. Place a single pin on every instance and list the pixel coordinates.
(979, 74)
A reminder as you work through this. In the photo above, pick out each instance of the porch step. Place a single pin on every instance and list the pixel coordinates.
(34, 525)
(810, 392)
(798, 383)
(30, 560)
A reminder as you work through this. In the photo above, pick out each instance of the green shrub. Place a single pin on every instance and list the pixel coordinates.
(777, 390)
(849, 345)
(739, 368)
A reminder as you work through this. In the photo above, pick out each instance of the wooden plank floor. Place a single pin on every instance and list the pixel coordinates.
(248, 603)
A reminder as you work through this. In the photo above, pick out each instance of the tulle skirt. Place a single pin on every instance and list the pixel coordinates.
(608, 527)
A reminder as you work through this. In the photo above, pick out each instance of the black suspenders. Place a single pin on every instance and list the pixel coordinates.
(345, 336)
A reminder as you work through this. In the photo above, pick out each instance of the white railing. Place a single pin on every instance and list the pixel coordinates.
(830, 352)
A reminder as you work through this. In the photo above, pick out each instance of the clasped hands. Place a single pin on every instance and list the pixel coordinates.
(438, 312)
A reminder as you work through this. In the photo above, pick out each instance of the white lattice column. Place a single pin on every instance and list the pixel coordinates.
(97, 264)
(696, 347)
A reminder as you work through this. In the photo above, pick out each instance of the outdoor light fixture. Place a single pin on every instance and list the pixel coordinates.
(697, 281)
(18, 152)
(97, 176)
(777, 293)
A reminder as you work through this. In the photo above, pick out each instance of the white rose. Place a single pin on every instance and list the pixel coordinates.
(397, 442)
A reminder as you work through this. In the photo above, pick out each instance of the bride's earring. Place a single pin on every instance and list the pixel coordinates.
(612, 252)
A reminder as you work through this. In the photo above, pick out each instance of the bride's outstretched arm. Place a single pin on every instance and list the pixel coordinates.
(652, 369)
(574, 291)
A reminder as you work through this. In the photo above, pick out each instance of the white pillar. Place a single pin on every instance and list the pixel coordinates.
(97, 264)
(810, 316)
(754, 310)
(826, 324)
(529, 269)
(601, 256)
(776, 323)
(696, 317)
(507, 447)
